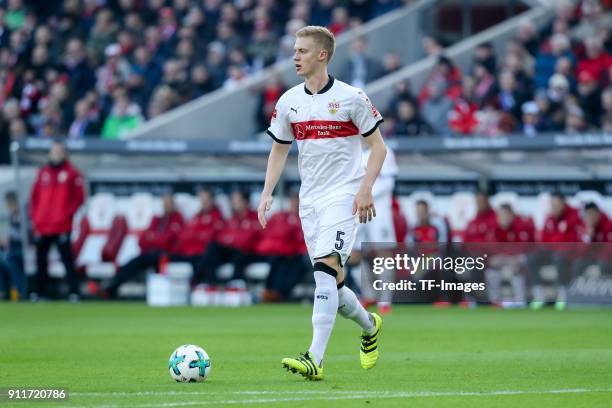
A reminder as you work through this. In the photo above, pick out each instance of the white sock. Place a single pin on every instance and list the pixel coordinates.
(494, 281)
(518, 288)
(561, 293)
(386, 296)
(538, 293)
(323, 313)
(350, 308)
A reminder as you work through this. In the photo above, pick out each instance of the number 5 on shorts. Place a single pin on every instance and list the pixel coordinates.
(339, 240)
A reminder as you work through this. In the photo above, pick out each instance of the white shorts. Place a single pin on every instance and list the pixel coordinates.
(380, 229)
(330, 227)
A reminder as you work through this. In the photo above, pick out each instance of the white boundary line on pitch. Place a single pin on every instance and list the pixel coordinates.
(341, 395)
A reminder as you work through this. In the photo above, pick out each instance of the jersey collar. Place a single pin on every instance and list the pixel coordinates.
(327, 87)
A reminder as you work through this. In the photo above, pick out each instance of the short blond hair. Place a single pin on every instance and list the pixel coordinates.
(321, 36)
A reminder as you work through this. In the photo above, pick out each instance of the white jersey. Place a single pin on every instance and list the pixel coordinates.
(328, 127)
(385, 182)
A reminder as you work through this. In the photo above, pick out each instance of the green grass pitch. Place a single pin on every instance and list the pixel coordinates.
(115, 355)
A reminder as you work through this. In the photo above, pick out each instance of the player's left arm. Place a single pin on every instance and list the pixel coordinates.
(364, 202)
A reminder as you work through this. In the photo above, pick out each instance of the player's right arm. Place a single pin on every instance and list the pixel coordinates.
(276, 164)
(280, 132)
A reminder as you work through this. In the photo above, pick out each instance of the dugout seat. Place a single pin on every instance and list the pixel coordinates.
(100, 223)
(139, 209)
(462, 211)
(187, 204)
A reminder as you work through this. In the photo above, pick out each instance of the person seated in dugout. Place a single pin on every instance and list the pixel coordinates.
(165, 240)
(597, 230)
(516, 234)
(561, 227)
(282, 244)
(164, 229)
(235, 243)
(430, 236)
(482, 227)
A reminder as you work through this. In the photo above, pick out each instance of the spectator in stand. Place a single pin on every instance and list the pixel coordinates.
(436, 110)
(201, 83)
(282, 242)
(322, 12)
(484, 87)
(114, 72)
(533, 123)
(432, 47)
(12, 253)
(463, 118)
(510, 98)
(606, 104)
(84, 123)
(235, 243)
(547, 61)
(272, 91)
(145, 72)
(493, 122)
(484, 55)
(216, 63)
(360, 69)
(527, 35)
(262, 50)
(607, 124)
(556, 94)
(124, 117)
(339, 21)
(574, 120)
(562, 226)
(187, 246)
(482, 228)
(57, 194)
(164, 230)
(287, 41)
(408, 120)
(564, 67)
(589, 98)
(594, 18)
(102, 35)
(444, 72)
(391, 62)
(596, 60)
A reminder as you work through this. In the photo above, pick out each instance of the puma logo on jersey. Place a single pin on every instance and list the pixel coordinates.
(294, 110)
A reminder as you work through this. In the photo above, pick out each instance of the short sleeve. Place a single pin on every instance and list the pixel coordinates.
(280, 129)
(364, 115)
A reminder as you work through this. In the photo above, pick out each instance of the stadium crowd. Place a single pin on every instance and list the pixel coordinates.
(558, 79)
(100, 67)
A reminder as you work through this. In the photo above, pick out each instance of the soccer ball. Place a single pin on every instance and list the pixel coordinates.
(189, 363)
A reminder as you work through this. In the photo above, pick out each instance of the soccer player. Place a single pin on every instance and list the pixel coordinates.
(381, 229)
(328, 119)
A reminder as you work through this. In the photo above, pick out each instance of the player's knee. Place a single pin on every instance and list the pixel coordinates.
(325, 267)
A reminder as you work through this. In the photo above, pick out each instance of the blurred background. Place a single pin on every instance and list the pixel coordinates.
(499, 113)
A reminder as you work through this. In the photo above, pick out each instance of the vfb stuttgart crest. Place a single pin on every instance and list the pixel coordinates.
(333, 107)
